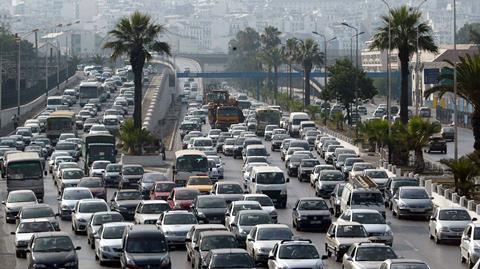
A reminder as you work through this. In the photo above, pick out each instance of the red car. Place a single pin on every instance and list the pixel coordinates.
(96, 186)
(182, 198)
(162, 190)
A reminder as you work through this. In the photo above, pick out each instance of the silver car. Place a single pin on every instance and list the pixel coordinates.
(15, 201)
(108, 244)
(367, 256)
(37, 211)
(69, 199)
(96, 222)
(295, 254)
(470, 245)
(84, 210)
(175, 225)
(448, 223)
(25, 231)
(412, 202)
(377, 228)
(263, 237)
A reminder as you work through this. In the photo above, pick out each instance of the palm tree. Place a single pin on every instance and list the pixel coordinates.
(468, 81)
(375, 132)
(403, 27)
(308, 55)
(272, 58)
(270, 38)
(136, 36)
(419, 132)
(98, 59)
(464, 172)
(289, 51)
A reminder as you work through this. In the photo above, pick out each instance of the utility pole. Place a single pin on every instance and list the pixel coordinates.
(455, 59)
(389, 72)
(325, 44)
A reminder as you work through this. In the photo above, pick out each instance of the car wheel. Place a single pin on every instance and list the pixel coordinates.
(462, 259)
(327, 251)
(18, 254)
(337, 256)
(436, 239)
(471, 264)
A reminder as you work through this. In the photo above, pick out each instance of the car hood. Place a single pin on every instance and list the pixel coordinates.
(376, 228)
(269, 244)
(300, 263)
(368, 264)
(177, 228)
(418, 202)
(112, 174)
(85, 216)
(98, 171)
(148, 216)
(115, 243)
(54, 257)
(69, 203)
(162, 194)
(269, 209)
(453, 224)
(132, 176)
(351, 240)
(128, 203)
(208, 211)
(232, 197)
(23, 236)
(147, 258)
(18, 206)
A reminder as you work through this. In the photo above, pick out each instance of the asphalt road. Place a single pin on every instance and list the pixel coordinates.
(411, 237)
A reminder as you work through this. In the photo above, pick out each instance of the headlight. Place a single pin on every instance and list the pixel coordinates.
(106, 249)
(70, 264)
(444, 229)
(263, 250)
(201, 214)
(302, 217)
(388, 233)
(401, 204)
(65, 207)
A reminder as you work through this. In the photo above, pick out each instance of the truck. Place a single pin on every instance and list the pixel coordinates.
(223, 110)
(266, 116)
(98, 147)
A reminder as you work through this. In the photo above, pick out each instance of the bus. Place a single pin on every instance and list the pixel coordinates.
(58, 122)
(189, 163)
(89, 90)
(24, 171)
(266, 116)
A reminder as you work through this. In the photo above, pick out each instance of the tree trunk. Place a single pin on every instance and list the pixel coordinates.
(306, 100)
(137, 60)
(403, 56)
(419, 161)
(476, 127)
(349, 118)
(290, 81)
(275, 84)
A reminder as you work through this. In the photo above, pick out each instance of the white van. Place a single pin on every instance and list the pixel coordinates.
(294, 122)
(362, 193)
(54, 101)
(271, 181)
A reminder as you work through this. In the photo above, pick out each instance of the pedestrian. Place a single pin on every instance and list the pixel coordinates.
(15, 121)
(161, 148)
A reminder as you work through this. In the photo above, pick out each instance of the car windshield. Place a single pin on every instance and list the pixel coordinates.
(105, 218)
(229, 189)
(229, 142)
(91, 183)
(153, 177)
(270, 178)
(147, 244)
(298, 252)
(155, 208)
(298, 158)
(37, 212)
(76, 194)
(74, 174)
(274, 234)
(367, 198)
(263, 200)
(92, 207)
(310, 163)
(219, 241)
(331, 176)
(408, 265)
(164, 187)
(211, 202)
(199, 181)
(129, 195)
(375, 254)
(113, 232)
(414, 194)
(203, 143)
(35, 227)
(376, 174)
(232, 260)
(186, 194)
(312, 205)
(254, 219)
(179, 219)
(21, 197)
(241, 207)
(132, 170)
(350, 162)
(351, 231)
(368, 218)
(453, 215)
(53, 244)
(362, 166)
(100, 165)
(65, 146)
(215, 132)
(114, 168)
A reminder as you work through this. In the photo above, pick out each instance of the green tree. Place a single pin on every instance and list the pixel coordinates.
(468, 81)
(464, 172)
(375, 132)
(98, 59)
(270, 38)
(469, 33)
(133, 139)
(308, 55)
(272, 59)
(342, 84)
(289, 50)
(404, 23)
(136, 36)
(419, 133)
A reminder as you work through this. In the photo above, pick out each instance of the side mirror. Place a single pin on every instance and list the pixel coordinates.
(474, 219)
(3, 203)
(78, 248)
(45, 173)
(288, 179)
(271, 257)
(349, 258)
(12, 232)
(432, 219)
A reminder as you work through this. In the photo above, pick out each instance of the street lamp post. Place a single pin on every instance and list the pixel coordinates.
(325, 43)
(389, 91)
(455, 59)
(417, 64)
(19, 41)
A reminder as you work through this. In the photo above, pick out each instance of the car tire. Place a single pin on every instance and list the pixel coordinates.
(327, 251)
(462, 259)
(337, 256)
(436, 239)
(18, 254)
(471, 264)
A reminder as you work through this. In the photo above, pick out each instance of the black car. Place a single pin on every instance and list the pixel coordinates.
(52, 250)
(145, 246)
(311, 212)
(125, 202)
(448, 133)
(437, 144)
(238, 147)
(277, 141)
(228, 258)
(147, 182)
(209, 209)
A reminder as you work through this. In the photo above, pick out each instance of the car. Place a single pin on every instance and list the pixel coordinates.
(97, 169)
(125, 202)
(311, 212)
(25, 230)
(209, 209)
(69, 199)
(404, 263)
(108, 243)
(392, 185)
(96, 221)
(161, 190)
(448, 223)
(469, 245)
(295, 254)
(348, 164)
(412, 202)
(229, 190)
(341, 235)
(58, 169)
(358, 168)
(336, 198)
(148, 181)
(194, 234)
(326, 182)
(210, 240)
(228, 258)
(367, 255)
(265, 202)
(15, 201)
(379, 176)
(201, 183)
(247, 169)
(175, 226)
(52, 250)
(214, 134)
(374, 223)
(131, 175)
(316, 172)
(69, 147)
(111, 177)
(148, 212)
(306, 167)
(69, 177)
(263, 237)
(84, 210)
(244, 222)
(98, 129)
(277, 140)
(221, 140)
(294, 162)
(96, 186)
(236, 206)
(182, 198)
(437, 143)
(219, 166)
(448, 133)
(38, 211)
(329, 154)
(146, 245)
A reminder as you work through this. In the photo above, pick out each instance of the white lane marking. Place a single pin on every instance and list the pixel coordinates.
(411, 245)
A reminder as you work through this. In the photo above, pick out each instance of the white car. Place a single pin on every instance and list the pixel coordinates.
(69, 199)
(97, 169)
(265, 202)
(377, 228)
(380, 176)
(25, 230)
(149, 211)
(262, 239)
(84, 210)
(295, 254)
(98, 129)
(358, 168)
(247, 169)
(448, 223)
(470, 245)
(63, 165)
(108, 242)
(236, 206)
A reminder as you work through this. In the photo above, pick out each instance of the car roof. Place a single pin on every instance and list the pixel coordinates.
(267, 169)
(265, 226)
(34, 220)
(209, 226)
(177, 212)
(346, 223)
(215, 233)
(146, 202)
(228, 251)
(117, 223)
(363, 210)
(252, 211)
(50, 234)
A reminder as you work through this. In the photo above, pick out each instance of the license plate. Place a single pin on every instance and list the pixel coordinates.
(417, 210)
(316, 222)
